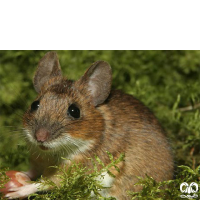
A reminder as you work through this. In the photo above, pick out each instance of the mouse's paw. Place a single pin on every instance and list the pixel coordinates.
(22, 192)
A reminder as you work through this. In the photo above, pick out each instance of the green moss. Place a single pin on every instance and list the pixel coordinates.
(3, 179)
(77, 182)
(167, 189)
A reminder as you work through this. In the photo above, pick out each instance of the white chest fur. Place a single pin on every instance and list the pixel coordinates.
(106, 181)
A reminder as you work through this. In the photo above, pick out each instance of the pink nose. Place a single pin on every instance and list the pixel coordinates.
(42, 135)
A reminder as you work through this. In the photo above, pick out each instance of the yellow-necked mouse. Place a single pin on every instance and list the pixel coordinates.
(83, 118)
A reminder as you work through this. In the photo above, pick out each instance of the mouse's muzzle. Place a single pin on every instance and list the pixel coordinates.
(42, 135)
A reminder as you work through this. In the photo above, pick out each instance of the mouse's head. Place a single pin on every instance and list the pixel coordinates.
(64, 117)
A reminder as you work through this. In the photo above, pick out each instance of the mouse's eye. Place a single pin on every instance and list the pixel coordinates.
(73, 111)
(35, 105)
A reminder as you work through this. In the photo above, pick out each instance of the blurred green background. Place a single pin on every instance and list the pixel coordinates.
(168, 82)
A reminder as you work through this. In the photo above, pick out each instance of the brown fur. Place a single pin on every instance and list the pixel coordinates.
(117, 123)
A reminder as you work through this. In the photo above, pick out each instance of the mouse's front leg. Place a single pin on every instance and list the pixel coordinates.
(23, 191)
(30, 188)
(20, 185)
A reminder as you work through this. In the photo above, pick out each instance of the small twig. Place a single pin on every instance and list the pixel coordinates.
(188, 108)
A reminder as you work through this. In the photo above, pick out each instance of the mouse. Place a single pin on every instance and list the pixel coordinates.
(81, 119)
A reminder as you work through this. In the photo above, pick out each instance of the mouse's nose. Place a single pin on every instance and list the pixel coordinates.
(42, 135)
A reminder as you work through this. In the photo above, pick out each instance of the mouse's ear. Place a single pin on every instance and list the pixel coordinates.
(97, 81)
(48, 67)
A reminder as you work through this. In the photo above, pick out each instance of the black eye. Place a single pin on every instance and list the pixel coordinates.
(73, 111)
(35, 105)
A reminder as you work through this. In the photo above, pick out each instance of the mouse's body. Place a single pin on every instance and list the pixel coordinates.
(84, 118)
